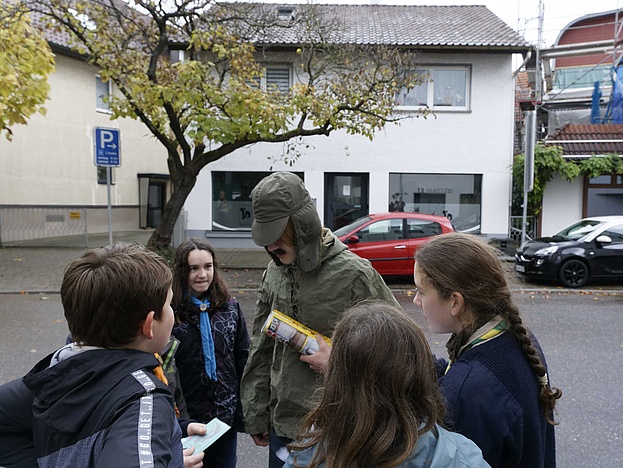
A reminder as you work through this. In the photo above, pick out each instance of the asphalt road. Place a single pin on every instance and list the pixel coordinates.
(581, 335)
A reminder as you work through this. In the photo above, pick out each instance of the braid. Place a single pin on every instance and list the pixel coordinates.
(447, 263)
(547, 395)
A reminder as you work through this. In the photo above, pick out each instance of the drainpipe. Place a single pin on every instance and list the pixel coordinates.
(524, 63)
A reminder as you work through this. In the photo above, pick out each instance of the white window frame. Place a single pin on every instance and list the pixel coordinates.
(462, 103)
(101, 106)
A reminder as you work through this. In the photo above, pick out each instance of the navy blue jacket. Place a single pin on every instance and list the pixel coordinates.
(16, 442)
(492, 399)
(101, 407)
(206, 399)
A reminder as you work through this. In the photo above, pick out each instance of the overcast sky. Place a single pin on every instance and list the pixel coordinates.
(521, 15)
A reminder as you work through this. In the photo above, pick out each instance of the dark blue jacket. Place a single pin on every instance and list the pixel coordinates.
(101, 407)
(492, 398)
(206, 399)
(16, 442)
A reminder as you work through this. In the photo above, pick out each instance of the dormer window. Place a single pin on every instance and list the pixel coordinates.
(285, 12)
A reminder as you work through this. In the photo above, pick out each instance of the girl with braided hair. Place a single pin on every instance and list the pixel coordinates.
(495, 382)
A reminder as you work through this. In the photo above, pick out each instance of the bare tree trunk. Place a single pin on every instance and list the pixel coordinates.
(161, 237)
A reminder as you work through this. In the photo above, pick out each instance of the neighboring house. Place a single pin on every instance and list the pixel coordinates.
(583, 197)
(583, 55)
(524, 101)
(579, 108)
(457, 162)
(49, 184)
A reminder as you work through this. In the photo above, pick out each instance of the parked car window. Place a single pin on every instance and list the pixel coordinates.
(417, 228)
(615, 233)
(579, 229)
(387, 229)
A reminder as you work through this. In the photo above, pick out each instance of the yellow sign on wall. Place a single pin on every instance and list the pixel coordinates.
(75, 215)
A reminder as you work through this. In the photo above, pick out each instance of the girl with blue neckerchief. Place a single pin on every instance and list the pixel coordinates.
(214, 345)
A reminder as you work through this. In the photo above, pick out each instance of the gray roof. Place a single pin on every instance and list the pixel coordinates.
(460, 27)
(455, 27)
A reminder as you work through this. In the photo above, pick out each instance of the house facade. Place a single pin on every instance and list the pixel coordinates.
(49, 183)
(584, 196)
(455, 163)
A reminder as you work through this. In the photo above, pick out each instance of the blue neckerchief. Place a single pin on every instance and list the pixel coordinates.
(207, 342)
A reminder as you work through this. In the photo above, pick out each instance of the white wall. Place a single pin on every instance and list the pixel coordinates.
(50, 160)
(562, 204)
(476, 142)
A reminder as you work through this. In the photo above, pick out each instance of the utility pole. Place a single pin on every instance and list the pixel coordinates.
(530, 119)
(538, 79)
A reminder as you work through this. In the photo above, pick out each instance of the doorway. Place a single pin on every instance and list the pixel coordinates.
(152, 193)
(346, 198)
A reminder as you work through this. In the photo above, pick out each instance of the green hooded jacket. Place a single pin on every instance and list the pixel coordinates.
(278, 390)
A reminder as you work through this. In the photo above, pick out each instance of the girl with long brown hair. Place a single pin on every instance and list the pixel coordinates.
(381, 405)
(495, 382)
(213, 345)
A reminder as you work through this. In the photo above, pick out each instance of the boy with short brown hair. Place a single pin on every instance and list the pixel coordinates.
(98, 401)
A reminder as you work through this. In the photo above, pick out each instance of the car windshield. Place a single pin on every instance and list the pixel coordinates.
(579, 229)
(349, 227)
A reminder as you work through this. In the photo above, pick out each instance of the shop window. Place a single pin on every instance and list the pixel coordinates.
(231, 199)
(455, 196)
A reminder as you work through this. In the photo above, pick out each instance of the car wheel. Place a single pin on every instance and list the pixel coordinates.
(573, 273)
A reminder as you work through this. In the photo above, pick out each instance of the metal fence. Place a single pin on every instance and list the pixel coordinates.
(516, 228)
(62, 226)
(67, 226)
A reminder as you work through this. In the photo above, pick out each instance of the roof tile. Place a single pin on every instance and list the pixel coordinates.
(598, 139)
(412, 25)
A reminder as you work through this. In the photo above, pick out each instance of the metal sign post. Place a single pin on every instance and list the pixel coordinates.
(107, 152)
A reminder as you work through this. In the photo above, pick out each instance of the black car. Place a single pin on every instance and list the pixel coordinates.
(590, 248)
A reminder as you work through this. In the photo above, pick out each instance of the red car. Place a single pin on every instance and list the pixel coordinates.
(389, 240)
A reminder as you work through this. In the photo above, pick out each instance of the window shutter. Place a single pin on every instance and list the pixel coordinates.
(278, 78)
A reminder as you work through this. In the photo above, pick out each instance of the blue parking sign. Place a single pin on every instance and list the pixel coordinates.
(107, 147)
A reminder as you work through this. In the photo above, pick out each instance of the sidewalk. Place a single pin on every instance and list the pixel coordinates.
(40, 270)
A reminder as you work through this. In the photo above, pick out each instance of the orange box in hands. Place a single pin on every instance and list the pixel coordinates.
(296, 335)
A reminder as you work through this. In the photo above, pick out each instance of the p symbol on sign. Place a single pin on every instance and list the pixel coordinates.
(106, 137)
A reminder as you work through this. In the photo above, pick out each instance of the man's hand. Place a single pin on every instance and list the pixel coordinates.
(262, 439)
(193, 461)
(318, 361)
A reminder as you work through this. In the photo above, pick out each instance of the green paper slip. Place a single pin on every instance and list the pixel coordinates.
(214, 429)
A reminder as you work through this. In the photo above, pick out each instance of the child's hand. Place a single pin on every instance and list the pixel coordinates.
(194, 460)
(190, 460)
(196, 429)
(319, 360)
(262, 439)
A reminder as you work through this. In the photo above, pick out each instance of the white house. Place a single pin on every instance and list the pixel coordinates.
(49, 184)
(456, 163)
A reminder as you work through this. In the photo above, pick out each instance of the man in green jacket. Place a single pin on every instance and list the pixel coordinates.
(313, 278)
